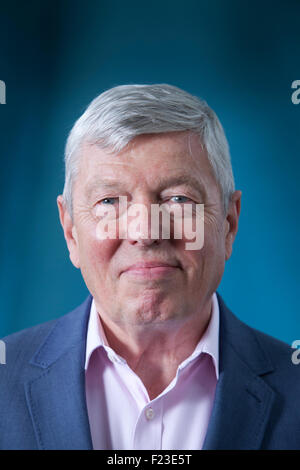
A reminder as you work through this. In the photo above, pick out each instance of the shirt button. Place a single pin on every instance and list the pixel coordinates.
(149, 414)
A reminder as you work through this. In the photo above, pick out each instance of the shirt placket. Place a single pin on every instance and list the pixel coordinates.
(148, 428)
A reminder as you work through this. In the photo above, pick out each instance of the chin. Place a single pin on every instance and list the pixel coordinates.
(155, 307)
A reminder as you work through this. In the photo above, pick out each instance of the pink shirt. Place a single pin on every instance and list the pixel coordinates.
(122, 416)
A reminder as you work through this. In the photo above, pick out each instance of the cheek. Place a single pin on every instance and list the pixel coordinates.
(96, 254)
(214, 237)
(209, 258)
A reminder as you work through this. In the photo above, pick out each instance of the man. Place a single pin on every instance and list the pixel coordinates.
(153, 359)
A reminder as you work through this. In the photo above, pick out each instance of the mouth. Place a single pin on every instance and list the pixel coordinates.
(152, 269)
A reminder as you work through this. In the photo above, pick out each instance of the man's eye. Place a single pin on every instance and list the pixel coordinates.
(180, 199)
(108, 201)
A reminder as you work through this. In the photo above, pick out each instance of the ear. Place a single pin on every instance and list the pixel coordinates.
(232, 220)
(69, 231)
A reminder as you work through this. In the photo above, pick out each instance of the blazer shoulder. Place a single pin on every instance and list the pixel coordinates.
(21, 346)
(23, 343)
(260, 350)
(279, 352)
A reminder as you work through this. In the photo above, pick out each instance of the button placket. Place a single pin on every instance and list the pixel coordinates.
(149, 427)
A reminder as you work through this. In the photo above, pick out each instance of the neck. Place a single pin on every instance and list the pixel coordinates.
(153, 351)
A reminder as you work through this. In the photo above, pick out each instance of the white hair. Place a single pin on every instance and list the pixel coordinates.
(122, 113)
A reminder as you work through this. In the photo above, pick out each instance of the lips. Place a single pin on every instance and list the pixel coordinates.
(150, 270)
(144, 265)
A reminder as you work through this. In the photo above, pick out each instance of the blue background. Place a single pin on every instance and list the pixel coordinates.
(56, 56)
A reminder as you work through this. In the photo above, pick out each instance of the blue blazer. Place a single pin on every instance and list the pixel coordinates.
(42, 388)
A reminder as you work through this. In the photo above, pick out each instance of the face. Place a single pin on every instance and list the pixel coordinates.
(120, 273)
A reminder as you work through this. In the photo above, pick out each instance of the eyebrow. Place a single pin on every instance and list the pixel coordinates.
(103, 184)
(161, 183)
(187, 180)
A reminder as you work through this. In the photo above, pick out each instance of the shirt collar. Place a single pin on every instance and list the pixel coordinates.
(209, 342)
(95, 335)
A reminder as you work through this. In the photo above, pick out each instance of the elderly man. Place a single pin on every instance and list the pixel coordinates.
(153, 359)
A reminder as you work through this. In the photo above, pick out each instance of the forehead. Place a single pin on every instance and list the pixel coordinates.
(175, 157)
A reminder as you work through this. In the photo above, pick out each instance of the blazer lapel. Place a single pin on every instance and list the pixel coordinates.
(243, 401)
(56, 395)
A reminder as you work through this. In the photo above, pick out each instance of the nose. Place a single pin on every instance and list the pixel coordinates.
(143, 229)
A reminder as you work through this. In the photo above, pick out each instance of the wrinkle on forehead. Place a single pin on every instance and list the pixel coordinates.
(188, 139)
(184, 139)
(195, 147)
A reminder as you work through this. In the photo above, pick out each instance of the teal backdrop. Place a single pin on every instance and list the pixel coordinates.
(242, 57)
